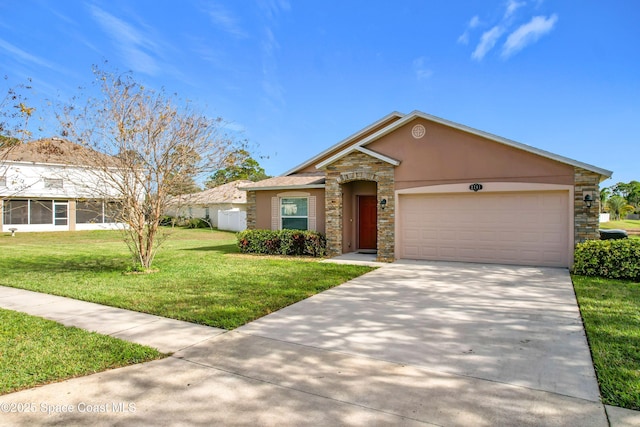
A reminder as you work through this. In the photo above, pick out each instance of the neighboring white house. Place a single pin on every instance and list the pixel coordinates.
(45, 185)
(224, 201)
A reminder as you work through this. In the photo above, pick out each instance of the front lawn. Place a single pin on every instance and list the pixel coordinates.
(202, 278)
(35, 351)
(611, 314)
(626, 224)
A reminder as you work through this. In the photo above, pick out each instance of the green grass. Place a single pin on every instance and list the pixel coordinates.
(626, 224)
(35, 351)
(611, 313)
(202, 278)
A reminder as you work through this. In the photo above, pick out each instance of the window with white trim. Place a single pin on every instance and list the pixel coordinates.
(294, 213)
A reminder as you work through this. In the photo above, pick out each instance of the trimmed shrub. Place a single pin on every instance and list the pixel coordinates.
(613, 259)
(197, 223)
(282, 242)
(166, 220)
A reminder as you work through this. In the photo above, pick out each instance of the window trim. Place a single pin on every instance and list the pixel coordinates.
(283, 217)
(276, 220)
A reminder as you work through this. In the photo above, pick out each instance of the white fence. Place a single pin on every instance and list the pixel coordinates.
(604, 217)
(232, 220)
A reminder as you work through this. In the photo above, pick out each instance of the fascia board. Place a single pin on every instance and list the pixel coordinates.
(342, 143)
(350, 150)
(282, 187)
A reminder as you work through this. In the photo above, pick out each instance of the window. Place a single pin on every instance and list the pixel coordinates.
(61, 213)
(41, 212)
(53, 183)
(114, 212)
(294, 213)
(16, 212)
(89, 212)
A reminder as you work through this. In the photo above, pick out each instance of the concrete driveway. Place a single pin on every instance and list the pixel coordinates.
(408, 344)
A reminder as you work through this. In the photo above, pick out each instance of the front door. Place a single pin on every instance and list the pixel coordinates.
(367, 222)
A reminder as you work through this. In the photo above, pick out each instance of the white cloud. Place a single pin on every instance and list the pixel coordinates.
(23, 56)
(473, 23)
(528, 33)
(487, 42)
(420, 68)
(225, 20)
(136, 47)
(512, 6)
(273, 8)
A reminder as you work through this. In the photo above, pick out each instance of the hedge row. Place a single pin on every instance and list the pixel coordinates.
(614, 259)
(169, 221)
(282, 242)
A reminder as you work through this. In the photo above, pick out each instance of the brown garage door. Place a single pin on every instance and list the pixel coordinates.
(527, 228)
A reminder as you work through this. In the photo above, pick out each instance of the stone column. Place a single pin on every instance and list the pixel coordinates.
(333, 212)
(586, 220)
(386, 216)
(251, 210)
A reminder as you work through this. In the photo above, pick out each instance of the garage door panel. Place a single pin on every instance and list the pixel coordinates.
(514, 228)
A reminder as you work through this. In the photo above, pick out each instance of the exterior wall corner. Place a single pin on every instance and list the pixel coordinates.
(251, 210)
(586, 220)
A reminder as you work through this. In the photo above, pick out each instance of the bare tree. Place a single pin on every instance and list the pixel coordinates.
(15, 115)
(144, 143)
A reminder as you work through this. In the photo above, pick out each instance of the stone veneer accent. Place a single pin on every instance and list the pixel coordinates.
(358, 166)
(251, 210)
(586, 220)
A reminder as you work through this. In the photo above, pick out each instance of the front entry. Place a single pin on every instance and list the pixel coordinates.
(367, 222)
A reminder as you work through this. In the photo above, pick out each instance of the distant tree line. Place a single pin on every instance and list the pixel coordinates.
(621, 199)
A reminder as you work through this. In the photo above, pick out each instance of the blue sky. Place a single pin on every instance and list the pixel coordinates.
(297, 76)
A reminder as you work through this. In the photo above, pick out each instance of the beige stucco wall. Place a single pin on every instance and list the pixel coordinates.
(263, 208)
(446, 155)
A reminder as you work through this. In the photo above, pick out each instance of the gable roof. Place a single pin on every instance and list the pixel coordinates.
(225, 193)
(347, 141)
(351, 144)
(361, 149)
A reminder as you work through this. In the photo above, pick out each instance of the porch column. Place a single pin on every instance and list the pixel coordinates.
(333, 208)
(386, 216)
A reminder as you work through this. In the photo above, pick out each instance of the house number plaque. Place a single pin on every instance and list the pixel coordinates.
(475, 187)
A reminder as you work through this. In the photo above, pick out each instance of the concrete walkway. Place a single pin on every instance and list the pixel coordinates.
(408, 344)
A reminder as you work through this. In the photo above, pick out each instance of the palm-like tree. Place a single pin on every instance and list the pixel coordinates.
(604, 196)
(618, 207)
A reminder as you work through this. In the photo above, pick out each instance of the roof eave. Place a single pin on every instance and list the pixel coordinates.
(343, 143)
(363, 150)
(283, 187)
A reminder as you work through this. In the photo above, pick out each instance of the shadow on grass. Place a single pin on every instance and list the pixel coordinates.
(223, 249)
(54, 265)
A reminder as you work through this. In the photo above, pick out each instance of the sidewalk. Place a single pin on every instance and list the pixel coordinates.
(167, 335)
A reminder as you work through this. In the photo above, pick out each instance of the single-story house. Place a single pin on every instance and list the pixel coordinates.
(415, 186)
(46, 185)
(207, 204)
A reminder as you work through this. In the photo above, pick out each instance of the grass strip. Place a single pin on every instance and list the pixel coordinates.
(611, 314)
(36, 351)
